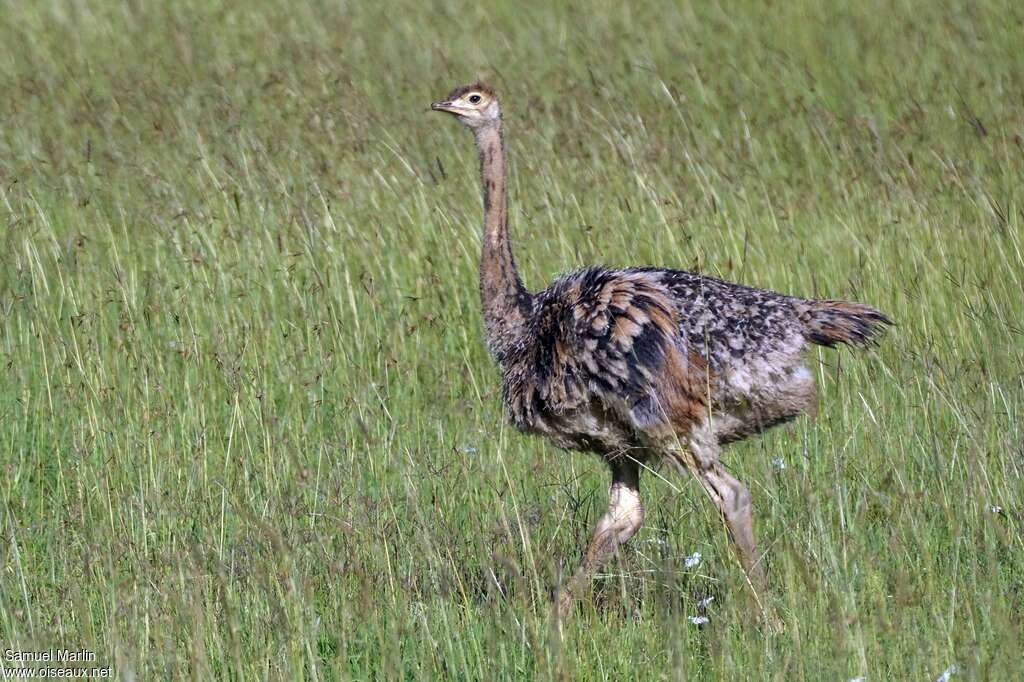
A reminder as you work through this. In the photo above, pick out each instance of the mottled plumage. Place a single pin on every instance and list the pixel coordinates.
(602, 342)
(644, 364)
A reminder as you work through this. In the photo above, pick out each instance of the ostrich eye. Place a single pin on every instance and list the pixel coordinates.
(474, 99)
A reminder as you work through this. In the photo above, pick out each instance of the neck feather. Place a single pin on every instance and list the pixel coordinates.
(502, 293)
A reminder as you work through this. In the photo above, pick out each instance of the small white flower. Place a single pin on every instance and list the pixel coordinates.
(995, 509)
(947, 673)
(692, 560)
(705, 602)
(778, 464)
(469, 449)
(699, 620)
(862, 678)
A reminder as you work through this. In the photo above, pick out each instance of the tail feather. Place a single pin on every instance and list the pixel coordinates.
(827, 323)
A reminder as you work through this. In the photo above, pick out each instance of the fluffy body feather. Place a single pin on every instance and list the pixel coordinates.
(613, 361)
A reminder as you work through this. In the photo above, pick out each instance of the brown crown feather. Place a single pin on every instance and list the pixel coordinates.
(478, 86)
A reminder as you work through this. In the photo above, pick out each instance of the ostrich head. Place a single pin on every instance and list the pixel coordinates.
(473, 105)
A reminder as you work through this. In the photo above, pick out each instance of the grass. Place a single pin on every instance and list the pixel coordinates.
(249, 428)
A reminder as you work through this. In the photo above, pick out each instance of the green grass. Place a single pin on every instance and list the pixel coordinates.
(249, 427)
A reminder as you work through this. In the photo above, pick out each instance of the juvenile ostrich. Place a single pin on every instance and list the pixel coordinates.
(644, 364)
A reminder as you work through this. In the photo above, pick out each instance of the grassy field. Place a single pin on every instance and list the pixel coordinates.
(249, 427)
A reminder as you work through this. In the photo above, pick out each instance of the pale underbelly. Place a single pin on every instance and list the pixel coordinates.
(753, 399)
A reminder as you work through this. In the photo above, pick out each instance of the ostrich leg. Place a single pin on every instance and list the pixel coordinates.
(624, 517)
(731, 498)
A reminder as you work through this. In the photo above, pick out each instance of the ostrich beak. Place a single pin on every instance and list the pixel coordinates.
(450, 107)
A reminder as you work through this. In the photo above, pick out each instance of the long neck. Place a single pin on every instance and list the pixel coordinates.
(502, 293)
